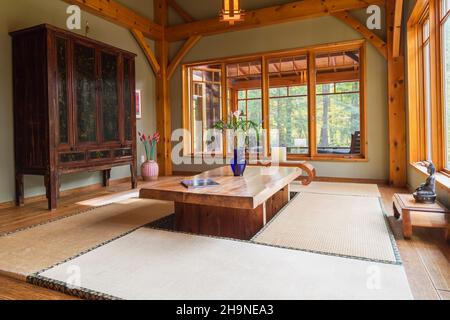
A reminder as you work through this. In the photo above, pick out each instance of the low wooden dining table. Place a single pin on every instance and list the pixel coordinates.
(239, 207)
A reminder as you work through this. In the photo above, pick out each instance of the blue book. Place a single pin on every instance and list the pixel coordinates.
(198, 183)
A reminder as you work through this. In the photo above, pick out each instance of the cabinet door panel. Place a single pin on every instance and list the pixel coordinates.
(85, 86)
(110, 97)
(127, 99)
(63, 105)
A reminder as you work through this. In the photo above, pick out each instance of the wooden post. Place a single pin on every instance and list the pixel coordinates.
(396, 97)
(163, 110)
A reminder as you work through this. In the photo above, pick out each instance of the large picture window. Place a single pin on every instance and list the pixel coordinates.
(445, 30)
(429, 84)
(310, 101)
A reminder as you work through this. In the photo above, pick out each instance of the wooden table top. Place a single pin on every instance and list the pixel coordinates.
(407, 202)
(248, 192)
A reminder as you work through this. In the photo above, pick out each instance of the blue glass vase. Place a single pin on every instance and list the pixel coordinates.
(238, 164)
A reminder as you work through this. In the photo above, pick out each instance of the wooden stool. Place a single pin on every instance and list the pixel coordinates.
(420, 215)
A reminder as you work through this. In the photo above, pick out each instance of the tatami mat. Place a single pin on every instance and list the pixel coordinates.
(351, 226)
(30, 250)
(346, 189)
(156, 264)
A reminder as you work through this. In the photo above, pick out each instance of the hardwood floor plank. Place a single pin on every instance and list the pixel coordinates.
(420, 281)
(426, 256)
(445, 295)
(11, 289)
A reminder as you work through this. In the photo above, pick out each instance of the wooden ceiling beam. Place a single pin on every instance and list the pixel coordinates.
(376, 41)
(118, 14)
(297, 10)
(188, 45)
(398, 17)
(149, 54)
(181, 12)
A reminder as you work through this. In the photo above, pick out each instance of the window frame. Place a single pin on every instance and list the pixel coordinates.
(265, 57)
(418, 136)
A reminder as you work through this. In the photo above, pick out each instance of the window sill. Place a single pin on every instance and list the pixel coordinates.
(442, 179)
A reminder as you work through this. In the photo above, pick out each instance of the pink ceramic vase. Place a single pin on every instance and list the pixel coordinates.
(150, 170)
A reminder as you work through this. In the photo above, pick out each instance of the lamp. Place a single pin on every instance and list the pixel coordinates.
(231, 11)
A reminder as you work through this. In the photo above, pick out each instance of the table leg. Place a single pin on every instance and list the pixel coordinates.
(407, 226)
(396, 212)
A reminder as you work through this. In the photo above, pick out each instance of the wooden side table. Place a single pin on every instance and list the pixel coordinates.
(420, 215)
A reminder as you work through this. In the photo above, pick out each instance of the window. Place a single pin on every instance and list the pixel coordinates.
(244, 87)
(288, 106)
(205, 106)
(445, 30)
(429, 83)
(426, 81)
(338, 116)
(310, 101)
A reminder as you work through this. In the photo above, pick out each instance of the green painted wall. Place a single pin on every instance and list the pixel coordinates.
(18, 14)
(296, 35)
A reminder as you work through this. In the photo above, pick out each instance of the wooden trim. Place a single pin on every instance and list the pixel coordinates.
(437, 90)
(312, 80)
(188, 45)
(121, 15)
(396, 102)
(181, 12)
(417, 119)
(163, 109)
(338, 46)
(376, 41)
(266, 104)
(71, 192)
(151, 58)
(398, 15)
(312, 137)
(288, 12)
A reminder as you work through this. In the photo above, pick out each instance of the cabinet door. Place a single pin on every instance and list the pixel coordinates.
(85, 93)
(128, 99)
(62, 92)
(109, 96)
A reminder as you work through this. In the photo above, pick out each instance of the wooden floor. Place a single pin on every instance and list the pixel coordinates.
(426, 257)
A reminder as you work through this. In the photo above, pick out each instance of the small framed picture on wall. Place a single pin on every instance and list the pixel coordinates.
(138, 104)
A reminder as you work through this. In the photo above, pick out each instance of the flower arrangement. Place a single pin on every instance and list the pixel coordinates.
(150, 145)
(237, 122)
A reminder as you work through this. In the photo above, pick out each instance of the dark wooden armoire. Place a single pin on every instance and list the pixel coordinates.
(74, 107)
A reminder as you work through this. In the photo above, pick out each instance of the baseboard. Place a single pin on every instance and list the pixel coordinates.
(75, 191)
(352, 180)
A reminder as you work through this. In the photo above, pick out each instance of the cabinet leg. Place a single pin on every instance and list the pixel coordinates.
(106, 177)
(133, 176)
(59, 187)
(51, 185)
(19, 190)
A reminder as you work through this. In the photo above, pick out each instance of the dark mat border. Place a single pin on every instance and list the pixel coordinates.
(87, 294)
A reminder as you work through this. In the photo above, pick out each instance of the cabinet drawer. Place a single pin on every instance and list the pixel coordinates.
(72, 157)
(123, 153)
(99, 155)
